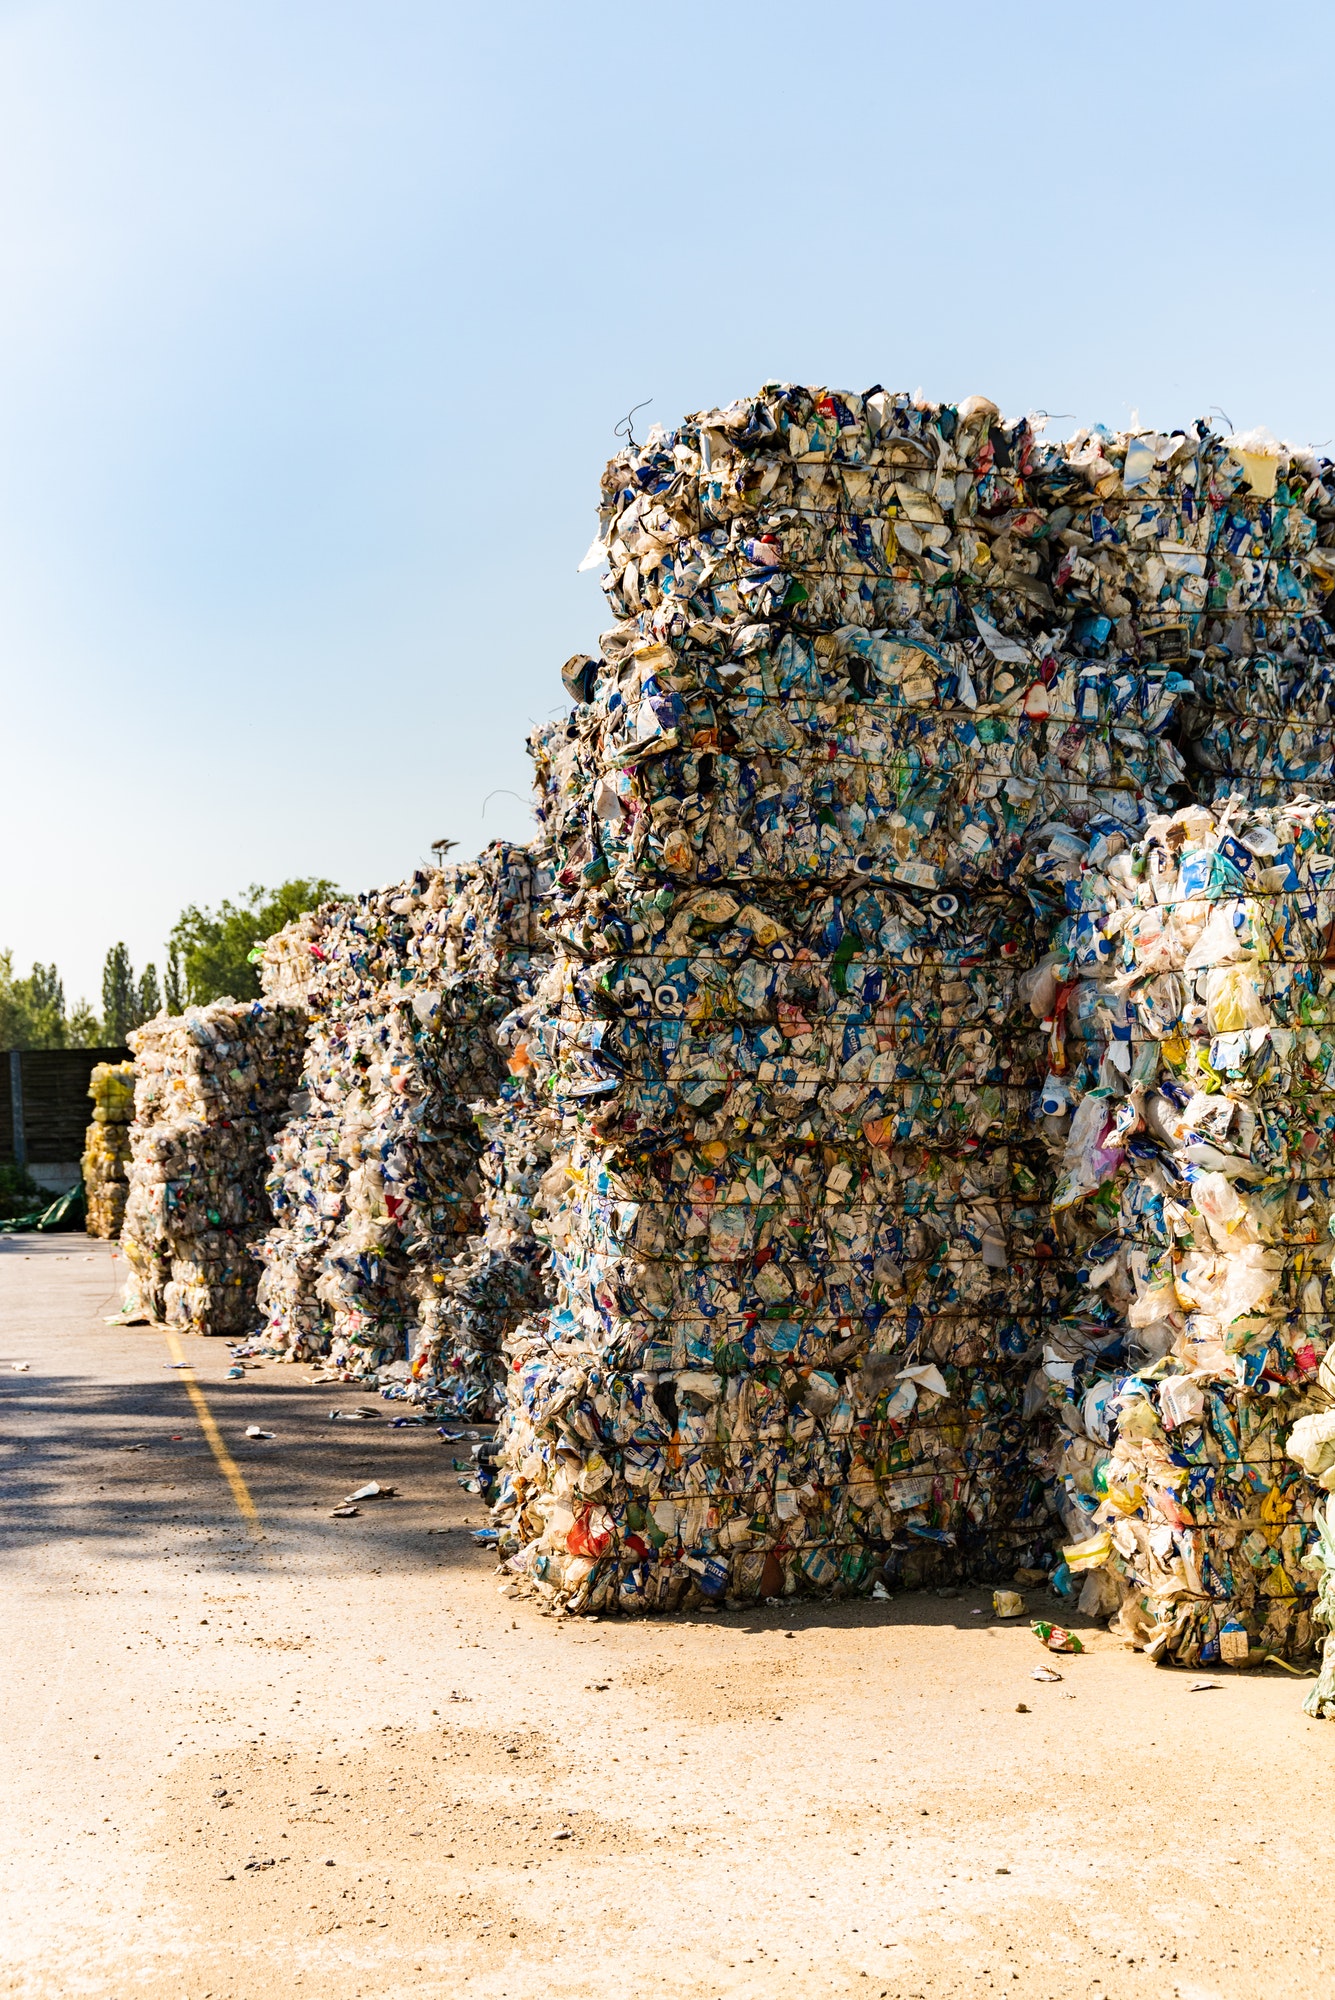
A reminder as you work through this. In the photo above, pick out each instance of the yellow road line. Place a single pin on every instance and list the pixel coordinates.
(227, 1465)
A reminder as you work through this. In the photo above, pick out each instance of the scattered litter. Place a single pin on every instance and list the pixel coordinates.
(1056, 1637)
(372, 1490)
(1008, 1604)
(1203, 1687)
(254, 1431)
(344, 1513)
(1044, 1674)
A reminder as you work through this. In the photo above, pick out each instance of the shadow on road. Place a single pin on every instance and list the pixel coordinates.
(124, 1465)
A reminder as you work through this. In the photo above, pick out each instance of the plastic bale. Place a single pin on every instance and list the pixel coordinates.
(211, 1086)
(1261, 540)
(500, 1277)
(826, 790)
(387, 1260)
(374, 1181)
(1197, 1183)
(106, 1156)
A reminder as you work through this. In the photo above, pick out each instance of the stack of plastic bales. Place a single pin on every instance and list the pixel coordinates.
(1262, 544)
(820, 803)
(106, 1154)
(299, 964)
(287, 960)
(1312, 1445)
(397, 1255)
(500, 1277)
(211, 1086)
(373, 1183)
(1197, 1035)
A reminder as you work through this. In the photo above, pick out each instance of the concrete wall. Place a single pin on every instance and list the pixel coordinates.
(44, 1119)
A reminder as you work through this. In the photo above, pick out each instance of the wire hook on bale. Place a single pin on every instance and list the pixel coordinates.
(624, 430)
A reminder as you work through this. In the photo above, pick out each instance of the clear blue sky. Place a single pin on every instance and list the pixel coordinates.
(317, 319)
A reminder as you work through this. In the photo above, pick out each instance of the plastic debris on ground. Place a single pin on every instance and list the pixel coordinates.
(106, 1153)
(211, 1086)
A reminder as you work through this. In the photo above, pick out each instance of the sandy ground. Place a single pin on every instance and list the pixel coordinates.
(332, 1757)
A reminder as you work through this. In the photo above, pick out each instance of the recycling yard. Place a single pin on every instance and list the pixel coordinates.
(243, 1756)
(667, 1011)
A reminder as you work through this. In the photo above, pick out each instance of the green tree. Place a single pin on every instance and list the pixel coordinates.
(120, 995)
(32, 1010)
(83, 1028)
(150, 994)
(173, 985)
(214, 946)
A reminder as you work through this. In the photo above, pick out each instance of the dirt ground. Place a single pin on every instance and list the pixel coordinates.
(294, 1754)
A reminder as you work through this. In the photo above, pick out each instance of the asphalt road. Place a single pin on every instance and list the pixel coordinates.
(248, 1749)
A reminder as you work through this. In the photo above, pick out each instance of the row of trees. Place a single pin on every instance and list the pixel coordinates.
(209, 953)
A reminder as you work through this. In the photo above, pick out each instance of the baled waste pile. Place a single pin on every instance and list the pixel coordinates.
(305, 1173)
(1217, 556)
(493, 955)
(1196, 1033)
(1312, 1446)
(401, 1250)
(106, 1153)
(374, 1181)
(820, 803)
(323, 955)
(211, 1086)
(1256, 548)
(287, 960)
